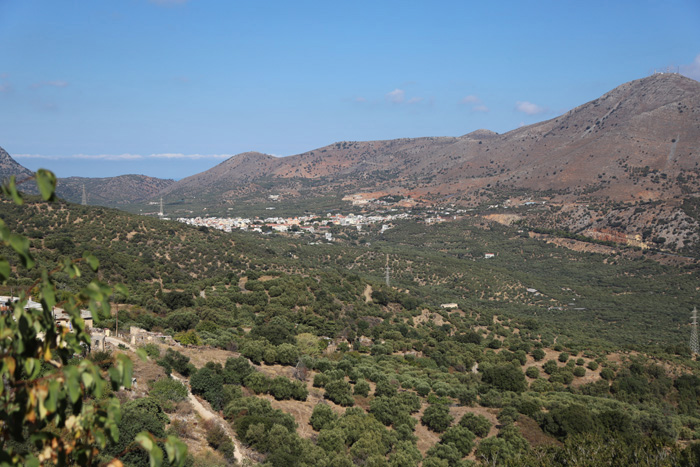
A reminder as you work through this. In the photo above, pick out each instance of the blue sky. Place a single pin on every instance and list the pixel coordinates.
(171, 88)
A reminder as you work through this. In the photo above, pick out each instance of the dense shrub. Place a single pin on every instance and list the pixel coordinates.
(477, 424)
(538, 354)
(505, 377)
(340, 392)
(168, 391)
(437, 417)
(361, 388)
(322, 416)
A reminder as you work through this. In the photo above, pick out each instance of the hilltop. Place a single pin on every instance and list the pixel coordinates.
(605, 148)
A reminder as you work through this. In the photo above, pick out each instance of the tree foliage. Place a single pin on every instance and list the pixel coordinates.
(55, 408)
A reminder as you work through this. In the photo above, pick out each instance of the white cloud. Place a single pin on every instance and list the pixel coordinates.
(692, 70)
(104, 157)
(396, 96)
(480, 108)
(124, 157)
(414, 100)
(529, 108)
(360, 99)
(190, 156)
(471, 99)
(55, 84)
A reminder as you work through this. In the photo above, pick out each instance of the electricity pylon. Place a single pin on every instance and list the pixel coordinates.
(694, 347)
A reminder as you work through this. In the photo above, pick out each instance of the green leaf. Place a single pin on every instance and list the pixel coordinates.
(121, 288)
(32, 366)
(156, 456)
(147, 442)
(73, 383)
(10, 189)
(143, 356)
(51, 402)
(114, 432)
(4, 269)
(48, 295)
(128, 367)
(93, 262)
(46, 181)
(21, 246)
(176, 449)
(87, 379)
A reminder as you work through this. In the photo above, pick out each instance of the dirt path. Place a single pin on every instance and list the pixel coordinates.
(368, 293)
(207, 414)
(198, 407)
(116, 342)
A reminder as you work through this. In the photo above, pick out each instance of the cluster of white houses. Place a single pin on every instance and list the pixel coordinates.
(300, 224)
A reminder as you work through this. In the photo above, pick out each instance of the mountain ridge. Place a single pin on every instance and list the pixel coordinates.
(106, 191)
(549, 155)
(637, 144)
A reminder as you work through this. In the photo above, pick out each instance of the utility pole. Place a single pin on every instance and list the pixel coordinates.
(694, 347)
(161, 207)
(84, 200)
(116, 327)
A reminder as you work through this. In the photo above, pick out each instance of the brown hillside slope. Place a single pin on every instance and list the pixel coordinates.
(607, 146)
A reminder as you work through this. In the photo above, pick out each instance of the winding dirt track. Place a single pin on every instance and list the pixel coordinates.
(202, 411)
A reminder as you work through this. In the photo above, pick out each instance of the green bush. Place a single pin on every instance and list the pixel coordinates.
(322, 417)
(215, 434)
(437, 417)
(362, 388)
(538, 354)
(459, 437)
(505, 377)
(168, 390)
(152, 350)
(174, 360)
(422, 388)
(550, 367)
(340, 392)
(477, 424)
